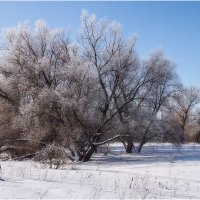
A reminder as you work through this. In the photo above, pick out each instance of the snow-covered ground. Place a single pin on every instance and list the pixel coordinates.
(160, 171)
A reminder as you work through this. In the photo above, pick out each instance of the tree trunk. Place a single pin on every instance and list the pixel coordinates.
(91, 149)
(144, 138)
(129, 147)
(140, 146)
(89, 153)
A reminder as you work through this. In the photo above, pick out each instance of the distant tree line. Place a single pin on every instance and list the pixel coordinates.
(81, 94)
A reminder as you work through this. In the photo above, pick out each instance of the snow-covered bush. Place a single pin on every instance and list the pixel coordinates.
(52, 156)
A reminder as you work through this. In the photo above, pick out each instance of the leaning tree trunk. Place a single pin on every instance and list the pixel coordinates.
(144, 138)
(140, 146)
(91, 149)
(89, 153)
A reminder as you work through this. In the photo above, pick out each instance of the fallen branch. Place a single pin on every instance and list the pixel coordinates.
(15, 148)
(30, 155)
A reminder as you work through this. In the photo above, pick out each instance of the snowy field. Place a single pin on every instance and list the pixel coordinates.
(158, 172)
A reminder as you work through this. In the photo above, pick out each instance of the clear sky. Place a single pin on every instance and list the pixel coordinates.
(173, 27)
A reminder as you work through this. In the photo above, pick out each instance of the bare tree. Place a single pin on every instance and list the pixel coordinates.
(33, 70)
(79, 95)
(144, 122)
(121, 79)
(164, 86)
(182, 107)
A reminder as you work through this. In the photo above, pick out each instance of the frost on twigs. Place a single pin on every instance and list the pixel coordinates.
(52, 156)
(85, 92)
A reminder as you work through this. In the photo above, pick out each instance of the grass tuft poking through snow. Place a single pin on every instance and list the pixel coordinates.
(160, 171)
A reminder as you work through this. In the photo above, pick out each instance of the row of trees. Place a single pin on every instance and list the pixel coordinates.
(85, 93)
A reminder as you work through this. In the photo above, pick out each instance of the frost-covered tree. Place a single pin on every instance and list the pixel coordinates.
(79, 94)
(165, 84)
(34, 70)
(143, 114)
(113, 60)
(182, 107)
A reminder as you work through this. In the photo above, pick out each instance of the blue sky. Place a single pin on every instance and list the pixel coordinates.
(173, 27)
